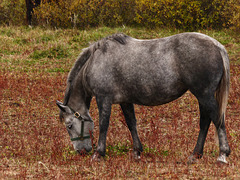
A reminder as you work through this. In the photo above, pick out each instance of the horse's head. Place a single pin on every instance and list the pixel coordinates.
(79, 127)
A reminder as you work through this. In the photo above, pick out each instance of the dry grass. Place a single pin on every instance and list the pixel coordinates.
(35, 145)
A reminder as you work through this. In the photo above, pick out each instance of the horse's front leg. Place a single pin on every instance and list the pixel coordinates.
(129, 114)
(104, 107)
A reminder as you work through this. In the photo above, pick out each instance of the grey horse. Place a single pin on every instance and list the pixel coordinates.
(123, 70)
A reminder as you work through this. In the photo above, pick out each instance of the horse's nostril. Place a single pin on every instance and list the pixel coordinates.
(88, 149)
(82, 152)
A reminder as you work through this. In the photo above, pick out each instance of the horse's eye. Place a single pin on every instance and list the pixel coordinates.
(69, 126)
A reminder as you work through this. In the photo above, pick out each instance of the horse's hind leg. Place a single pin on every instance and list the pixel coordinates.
(223, 143)
(129, 114)
(208, 112)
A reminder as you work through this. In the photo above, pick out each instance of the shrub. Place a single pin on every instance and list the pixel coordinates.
(216, 13)
(84, 13)
(183, 14)
(52, 13)
(117, 12)
(235, 20)
(12, 12)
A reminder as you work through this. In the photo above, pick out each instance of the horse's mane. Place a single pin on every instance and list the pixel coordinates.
(86, 54)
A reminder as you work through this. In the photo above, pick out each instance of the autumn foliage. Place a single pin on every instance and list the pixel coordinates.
(181, 14)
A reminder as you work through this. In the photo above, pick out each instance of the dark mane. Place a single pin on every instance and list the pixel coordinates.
(87, 54)
(81, 60)
(103, 43)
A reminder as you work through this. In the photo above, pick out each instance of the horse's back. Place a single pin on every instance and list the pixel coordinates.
(157, 71)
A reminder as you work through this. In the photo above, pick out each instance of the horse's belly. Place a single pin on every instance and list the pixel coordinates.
(149, 95)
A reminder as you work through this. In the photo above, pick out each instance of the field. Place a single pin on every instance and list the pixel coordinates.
(35, 145)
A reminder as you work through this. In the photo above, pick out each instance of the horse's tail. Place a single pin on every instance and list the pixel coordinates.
(222, 91)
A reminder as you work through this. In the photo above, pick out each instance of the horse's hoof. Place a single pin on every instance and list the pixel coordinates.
(136, 155)
(192, 160)
(222, 159)
(96, 157)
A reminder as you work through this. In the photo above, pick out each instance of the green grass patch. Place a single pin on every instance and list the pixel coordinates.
(41, 46)
(61, 70)
(20, 41)
(118, 149)
(54, 52)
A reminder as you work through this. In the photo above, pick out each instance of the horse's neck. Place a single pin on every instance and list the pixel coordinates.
(77, 100)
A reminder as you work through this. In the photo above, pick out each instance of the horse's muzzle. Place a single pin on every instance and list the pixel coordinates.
(82, 152)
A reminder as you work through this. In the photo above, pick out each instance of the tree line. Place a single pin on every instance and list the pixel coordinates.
(181, 14)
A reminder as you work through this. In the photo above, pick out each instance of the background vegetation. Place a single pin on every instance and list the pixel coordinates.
(35, 145)
(180, 14)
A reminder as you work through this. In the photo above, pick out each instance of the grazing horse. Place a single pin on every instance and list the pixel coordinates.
(123, 70)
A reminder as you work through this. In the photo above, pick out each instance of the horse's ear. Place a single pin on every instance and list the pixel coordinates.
(63, 108)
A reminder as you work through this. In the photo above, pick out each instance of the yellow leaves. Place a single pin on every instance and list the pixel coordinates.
(235, 20)
(83, 13)
(12, 12)
(181, 14)
(184, 14)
